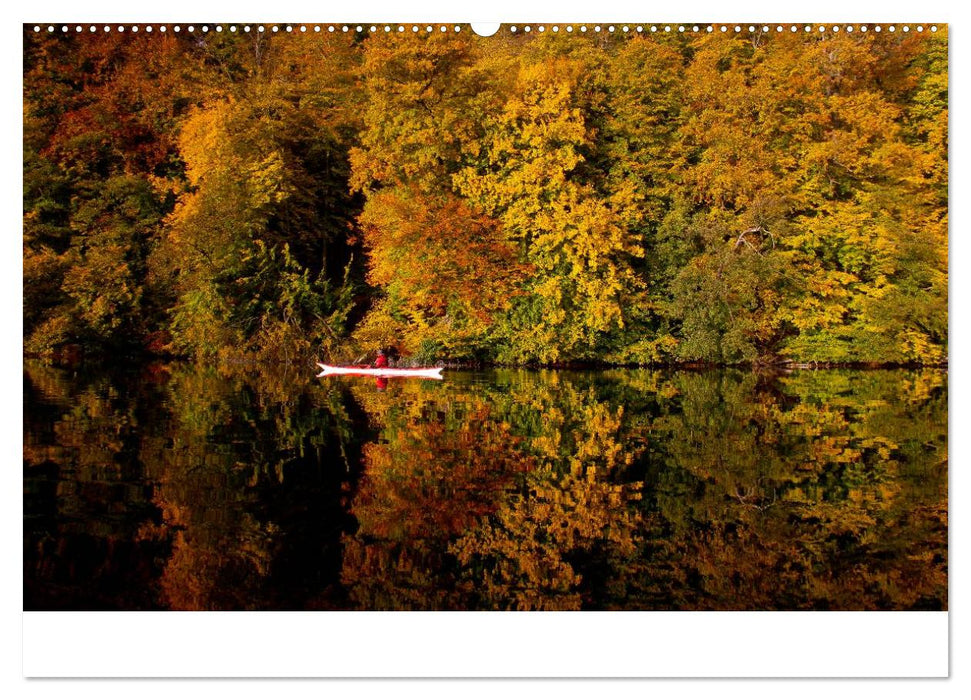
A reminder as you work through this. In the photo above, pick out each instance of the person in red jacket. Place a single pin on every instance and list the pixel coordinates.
(382, 359)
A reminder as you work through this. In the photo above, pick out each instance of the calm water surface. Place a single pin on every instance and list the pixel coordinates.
(174, 487)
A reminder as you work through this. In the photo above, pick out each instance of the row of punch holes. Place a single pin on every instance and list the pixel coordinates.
(625, 28)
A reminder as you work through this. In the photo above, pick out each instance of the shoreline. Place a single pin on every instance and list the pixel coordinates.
(76, 361)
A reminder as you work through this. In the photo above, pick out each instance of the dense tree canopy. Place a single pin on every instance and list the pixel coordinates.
(635, 198)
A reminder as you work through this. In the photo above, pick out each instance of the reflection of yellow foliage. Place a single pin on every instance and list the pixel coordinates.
(519, 490)
(433, 491)
(217, 545)
(804, 524)
(529, 556)
(427, 484)
(222, 552)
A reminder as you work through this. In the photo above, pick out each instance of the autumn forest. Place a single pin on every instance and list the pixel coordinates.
(690, 291)
(752, 197)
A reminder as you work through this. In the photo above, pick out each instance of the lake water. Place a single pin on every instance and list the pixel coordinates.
(174, 487)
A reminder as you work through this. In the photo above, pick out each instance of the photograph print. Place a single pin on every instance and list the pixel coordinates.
(613, 317)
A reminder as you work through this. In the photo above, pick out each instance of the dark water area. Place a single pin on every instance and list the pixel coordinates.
(176, 487)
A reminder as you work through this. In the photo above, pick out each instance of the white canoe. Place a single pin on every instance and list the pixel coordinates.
(426, 372)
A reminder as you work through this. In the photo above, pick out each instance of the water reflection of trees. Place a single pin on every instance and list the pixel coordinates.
(88, 513)
(488, 496)
(251, 478)
(234, 482)
(193, 489)
(821, 490)
(721, 490)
